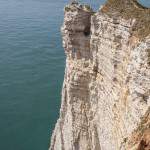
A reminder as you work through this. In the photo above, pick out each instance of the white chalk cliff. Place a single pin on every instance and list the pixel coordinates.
(106, 89)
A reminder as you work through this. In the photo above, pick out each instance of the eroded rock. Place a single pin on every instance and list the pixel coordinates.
(106, 89)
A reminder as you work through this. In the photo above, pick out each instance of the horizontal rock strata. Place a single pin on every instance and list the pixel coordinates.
(106, 89)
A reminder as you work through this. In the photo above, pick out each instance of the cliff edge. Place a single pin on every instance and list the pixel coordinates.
(106, 89)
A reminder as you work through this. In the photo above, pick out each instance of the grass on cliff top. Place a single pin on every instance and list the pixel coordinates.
(130, 9)
(74, 7)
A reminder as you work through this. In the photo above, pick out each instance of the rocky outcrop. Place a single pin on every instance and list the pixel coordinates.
(106, 89)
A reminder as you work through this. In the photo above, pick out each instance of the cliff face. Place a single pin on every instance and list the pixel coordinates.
(106, 89)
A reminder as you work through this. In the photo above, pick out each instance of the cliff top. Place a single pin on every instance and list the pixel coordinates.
(76, 6)
(127, 9)
(130, 9)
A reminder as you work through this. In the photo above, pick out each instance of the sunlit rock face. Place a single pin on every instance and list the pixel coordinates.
(106, 89)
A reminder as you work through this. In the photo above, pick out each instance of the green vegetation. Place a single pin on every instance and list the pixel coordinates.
(70, 8)
(88, 8)
(67, 8)
(130, 9)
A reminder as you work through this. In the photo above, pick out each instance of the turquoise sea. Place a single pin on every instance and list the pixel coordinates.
(32, 65)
